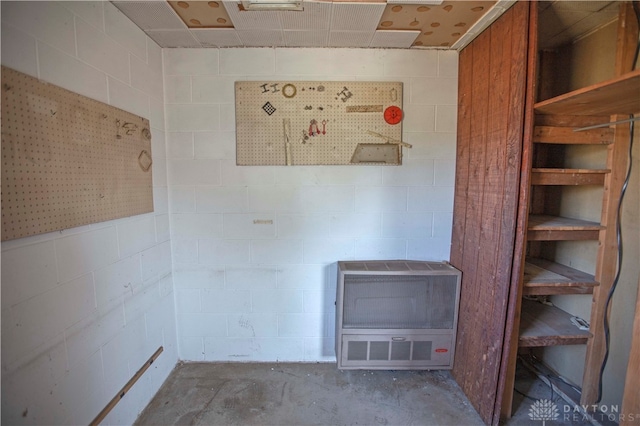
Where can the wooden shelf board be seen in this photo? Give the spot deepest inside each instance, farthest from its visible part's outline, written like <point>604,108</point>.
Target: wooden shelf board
<point>543,325</point>
<point>543,277</point>
<point>555,228</point>
<point>557,223</point>
<point>566,135</point>
<point>567,176</point>
<point>556,290</point>
<point>616,96</point>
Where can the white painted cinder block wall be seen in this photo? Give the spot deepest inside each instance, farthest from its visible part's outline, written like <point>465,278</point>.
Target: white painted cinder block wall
<point>265,292</point>
<point>84,308</point>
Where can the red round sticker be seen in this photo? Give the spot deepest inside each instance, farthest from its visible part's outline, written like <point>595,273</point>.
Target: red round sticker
<point>393,115</point>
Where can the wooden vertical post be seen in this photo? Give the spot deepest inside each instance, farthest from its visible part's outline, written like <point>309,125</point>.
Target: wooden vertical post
<point>631,397</point>
<point>606,264</point>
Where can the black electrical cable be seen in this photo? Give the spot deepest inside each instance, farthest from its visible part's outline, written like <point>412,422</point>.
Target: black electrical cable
<point>549,377</point>
<point>524,394</point>
<point>619,266</point>
<point>636,8</point>
<point>566,382</point>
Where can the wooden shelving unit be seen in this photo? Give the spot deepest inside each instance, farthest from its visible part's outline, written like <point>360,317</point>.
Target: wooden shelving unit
<point>556,120</point>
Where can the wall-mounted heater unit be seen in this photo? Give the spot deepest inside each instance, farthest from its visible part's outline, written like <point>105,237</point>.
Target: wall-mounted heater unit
<point>396,315</point>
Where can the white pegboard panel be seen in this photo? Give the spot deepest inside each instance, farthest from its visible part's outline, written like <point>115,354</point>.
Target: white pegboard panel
<point>68,160</point>
<point>314,122</point>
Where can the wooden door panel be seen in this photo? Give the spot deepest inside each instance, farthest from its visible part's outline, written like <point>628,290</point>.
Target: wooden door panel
<point>491,97</point>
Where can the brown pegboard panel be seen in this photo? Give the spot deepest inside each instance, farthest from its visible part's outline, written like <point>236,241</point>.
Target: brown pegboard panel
<point>314,122</point>
<point>68,160</point>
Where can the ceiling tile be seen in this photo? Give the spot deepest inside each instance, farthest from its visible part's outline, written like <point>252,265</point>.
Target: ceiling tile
<point>350,38</point>
<point>261,38</point>
<point>151,15</point>
<point>173,38</point>
<point>483,23</point>
<point>202,14</point>
<point>305,38</point>
<point>217,37</point>
<point>392,38</point>
<point>356,16</point>
<point>441,25</point>
<point>252,20</point>
<point>315,16</point>
<point>449,25</point>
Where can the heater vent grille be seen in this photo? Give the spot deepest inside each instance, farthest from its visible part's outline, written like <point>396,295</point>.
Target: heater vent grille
<point>379,350</point>
<point>386,351</point>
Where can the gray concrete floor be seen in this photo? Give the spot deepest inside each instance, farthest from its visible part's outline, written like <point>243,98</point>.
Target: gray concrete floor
<point>529,389</point>
<point>320,394</point>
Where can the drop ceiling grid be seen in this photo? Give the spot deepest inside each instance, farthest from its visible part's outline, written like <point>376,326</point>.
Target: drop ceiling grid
<point>564,21</point>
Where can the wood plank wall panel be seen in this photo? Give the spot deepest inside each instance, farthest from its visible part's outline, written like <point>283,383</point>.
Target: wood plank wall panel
<point>470,257</point>
<point>506,380</point>
<point>492,83</point>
